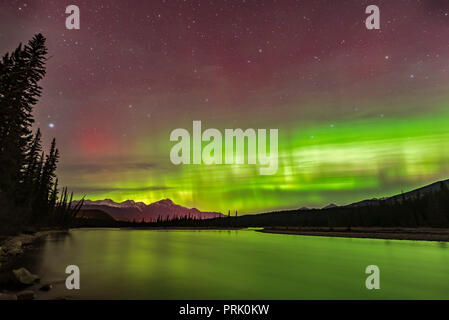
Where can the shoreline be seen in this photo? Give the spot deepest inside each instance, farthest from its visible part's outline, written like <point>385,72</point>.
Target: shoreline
<point>14,246</point>
<point>183,228</point>
<point>419,234</point>
<point>16,284</point>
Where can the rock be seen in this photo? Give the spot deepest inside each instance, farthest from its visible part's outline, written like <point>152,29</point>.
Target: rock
<point>46,287</point>
<point>23,276</point>
<point>26,295</point>
<point>15,252</point>
<point>5,296</point>
<point>13,247</point>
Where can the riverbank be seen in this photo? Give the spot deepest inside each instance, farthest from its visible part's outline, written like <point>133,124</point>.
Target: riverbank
<point>184,228</point>
<point>418,234</point>
<point>12,246</point>
<point>14,283</point>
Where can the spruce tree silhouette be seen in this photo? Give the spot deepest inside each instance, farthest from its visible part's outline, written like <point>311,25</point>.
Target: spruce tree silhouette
<point>28,183</point>
<point>20,73</point>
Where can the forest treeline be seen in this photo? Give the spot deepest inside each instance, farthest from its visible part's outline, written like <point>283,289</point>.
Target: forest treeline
<point>414,210</point>
<point>29,194</point>
<point>430,209</point>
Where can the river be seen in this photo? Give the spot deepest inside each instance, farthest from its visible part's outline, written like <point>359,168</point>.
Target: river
<point>236,264</point>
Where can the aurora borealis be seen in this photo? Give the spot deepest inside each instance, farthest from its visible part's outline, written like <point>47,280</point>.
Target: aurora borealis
<point>361,113</point>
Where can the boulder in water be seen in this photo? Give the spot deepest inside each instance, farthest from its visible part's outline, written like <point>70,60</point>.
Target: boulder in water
<point>46,287</point>
<point>25,277</point>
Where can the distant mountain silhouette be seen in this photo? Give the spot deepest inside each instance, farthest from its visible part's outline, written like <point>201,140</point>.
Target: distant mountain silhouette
<point>416,193</point>
<point>426,207</point>
<point>138,211</point>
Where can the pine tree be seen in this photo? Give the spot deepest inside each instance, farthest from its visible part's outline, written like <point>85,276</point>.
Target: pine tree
<point>43,203</point>
<point>20,73</point>
<point>28,183</point>
<point>32,158</point>
<point>31,171</point>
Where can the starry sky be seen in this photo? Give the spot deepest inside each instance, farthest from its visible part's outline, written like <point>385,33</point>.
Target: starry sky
<point>361,113</point>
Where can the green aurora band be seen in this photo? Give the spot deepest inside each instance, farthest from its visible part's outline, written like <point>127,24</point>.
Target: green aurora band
<point>347,161</point>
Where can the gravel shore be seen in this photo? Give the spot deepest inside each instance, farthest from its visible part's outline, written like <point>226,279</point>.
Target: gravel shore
<point>418,234</point>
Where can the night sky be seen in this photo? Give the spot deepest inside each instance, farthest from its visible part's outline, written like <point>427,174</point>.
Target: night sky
<point>361,113</point>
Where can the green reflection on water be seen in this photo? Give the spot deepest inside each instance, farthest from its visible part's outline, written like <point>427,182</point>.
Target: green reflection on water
<point>245,264</point>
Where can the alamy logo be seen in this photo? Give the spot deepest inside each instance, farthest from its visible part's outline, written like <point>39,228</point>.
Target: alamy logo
<point>73,280</point>
<point>373,20</point>
<point>373,281</point>
<point>212,153</point>
<point>72,22</point>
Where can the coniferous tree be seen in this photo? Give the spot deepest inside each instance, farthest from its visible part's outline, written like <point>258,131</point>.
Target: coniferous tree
<point>32,159</point>
<point>28,183</point>
<point>20,73</point>
<point>42,207</point>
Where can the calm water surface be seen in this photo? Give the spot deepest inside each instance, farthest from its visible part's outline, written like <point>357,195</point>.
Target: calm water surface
<point>244,264</point>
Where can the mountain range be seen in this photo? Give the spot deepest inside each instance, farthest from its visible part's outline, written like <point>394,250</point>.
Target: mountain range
<point>413,194</point>
<point>138,211</point>
<point>416,193</point>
